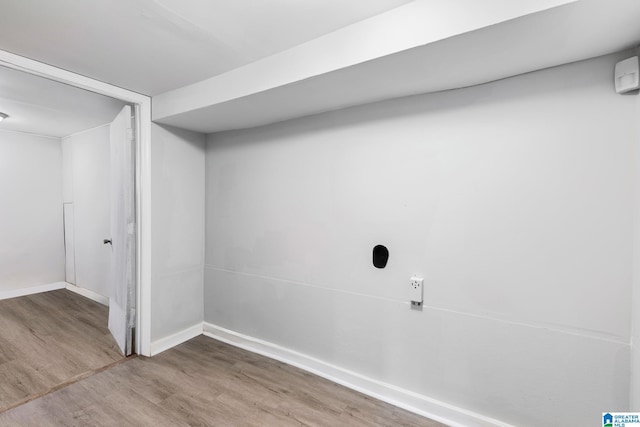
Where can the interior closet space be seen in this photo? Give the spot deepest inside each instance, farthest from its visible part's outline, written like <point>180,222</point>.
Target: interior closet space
<point>57,278</point>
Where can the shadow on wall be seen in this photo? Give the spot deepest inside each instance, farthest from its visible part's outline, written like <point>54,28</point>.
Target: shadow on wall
<point>565,79</point>
<point>177,199</point>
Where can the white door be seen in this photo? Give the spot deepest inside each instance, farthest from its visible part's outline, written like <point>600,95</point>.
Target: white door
<point>121,300</point>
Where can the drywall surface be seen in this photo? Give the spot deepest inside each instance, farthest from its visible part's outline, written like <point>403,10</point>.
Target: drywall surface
<point>177,257</point>
<point>635,300</point>
<point>86,189</point>
<point>408,26</point>
<point>635,361</point>
<point>31,244</point>
<point>514,200</point>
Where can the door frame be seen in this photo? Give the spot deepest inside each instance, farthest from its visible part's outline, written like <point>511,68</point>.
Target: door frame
<point>142,108</point>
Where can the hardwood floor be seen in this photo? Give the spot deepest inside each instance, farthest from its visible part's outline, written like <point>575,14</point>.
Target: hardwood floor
<point>48,339</point>
<point>204,382</point>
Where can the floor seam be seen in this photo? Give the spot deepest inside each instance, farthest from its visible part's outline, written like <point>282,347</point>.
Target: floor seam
<point>75,379</point>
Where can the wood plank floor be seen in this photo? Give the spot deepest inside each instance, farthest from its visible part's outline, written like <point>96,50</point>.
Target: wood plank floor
<point>47,339</point>
<point>204,382</point>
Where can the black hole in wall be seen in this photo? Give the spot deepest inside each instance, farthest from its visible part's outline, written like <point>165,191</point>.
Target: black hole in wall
<point>380,256</point>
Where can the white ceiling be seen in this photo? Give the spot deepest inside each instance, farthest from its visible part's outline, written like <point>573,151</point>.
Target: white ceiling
<point>44,107</point>
<point>197,49</point>
<point>152,46</point>
<point>550,37</point>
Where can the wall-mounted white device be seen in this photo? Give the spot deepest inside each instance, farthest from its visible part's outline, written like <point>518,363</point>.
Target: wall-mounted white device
<point>627,75</point>
<point>415,291</point>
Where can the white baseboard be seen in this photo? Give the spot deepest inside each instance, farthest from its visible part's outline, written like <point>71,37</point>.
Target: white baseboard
<point>88,294</point>
<point>166,343</point>
<point>431,408</point>
<point>14,293</point>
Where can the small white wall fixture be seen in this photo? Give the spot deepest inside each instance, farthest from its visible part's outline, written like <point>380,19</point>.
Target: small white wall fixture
<point>142,107</point>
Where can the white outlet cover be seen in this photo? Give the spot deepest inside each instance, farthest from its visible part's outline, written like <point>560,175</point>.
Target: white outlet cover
<point>415,289</point>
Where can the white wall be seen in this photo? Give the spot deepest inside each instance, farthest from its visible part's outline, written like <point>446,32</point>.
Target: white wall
<point>177,164</point>
<point>635,302</point>
<point>514,200</point>
<point>86,188</point>
<point>31,243</point>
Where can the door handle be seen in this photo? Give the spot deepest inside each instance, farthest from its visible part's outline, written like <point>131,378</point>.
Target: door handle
<point>105,241</point>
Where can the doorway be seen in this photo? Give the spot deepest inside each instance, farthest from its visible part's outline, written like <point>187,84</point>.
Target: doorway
<point>67,180</point>
<point>98,167</point>
<point>141,106</point>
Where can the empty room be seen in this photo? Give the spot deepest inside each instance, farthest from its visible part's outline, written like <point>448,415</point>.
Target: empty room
<point>320,213</point>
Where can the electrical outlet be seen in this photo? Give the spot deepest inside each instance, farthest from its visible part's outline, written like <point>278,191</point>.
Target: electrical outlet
<point>415,291</point>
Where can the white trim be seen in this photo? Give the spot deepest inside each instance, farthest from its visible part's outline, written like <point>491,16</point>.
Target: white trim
<point>423,405</point>
<point>166,343</point>
<point>87,293</point>
<point>14,293</point>
<point>143,176</point>
<point>143,220</point>
<point>41,69</point>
